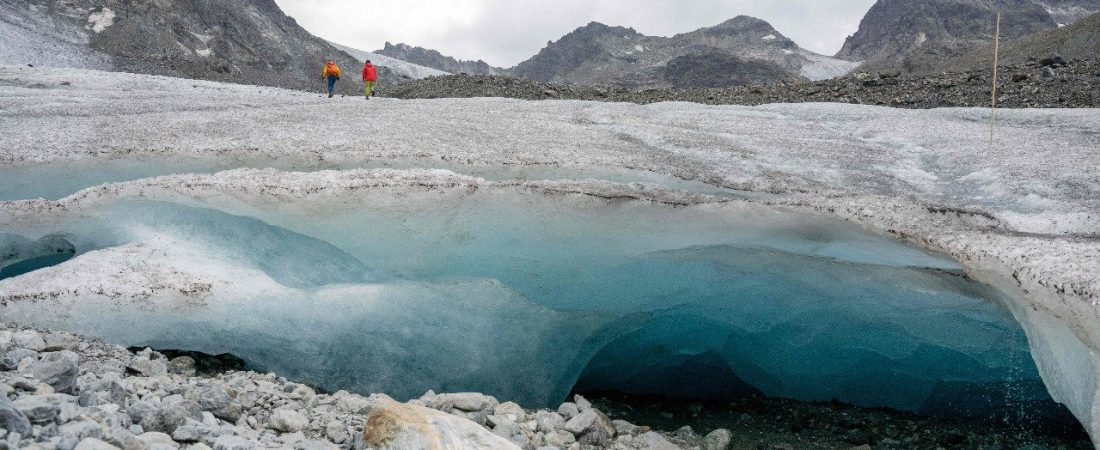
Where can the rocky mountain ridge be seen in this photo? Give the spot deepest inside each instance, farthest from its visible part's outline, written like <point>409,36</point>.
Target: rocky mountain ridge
<point>919,35</point>
<point>743,50</point>
<point>238,41</point>
<point>435,60</point>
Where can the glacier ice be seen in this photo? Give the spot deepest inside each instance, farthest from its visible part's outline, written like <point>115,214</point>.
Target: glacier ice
<point>522,290</point>
<point>1019,214</point>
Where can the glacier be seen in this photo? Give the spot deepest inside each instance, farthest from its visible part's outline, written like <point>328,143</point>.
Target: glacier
<point>525,249</point>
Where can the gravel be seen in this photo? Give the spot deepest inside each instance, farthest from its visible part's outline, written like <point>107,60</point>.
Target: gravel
<point>121,399</point>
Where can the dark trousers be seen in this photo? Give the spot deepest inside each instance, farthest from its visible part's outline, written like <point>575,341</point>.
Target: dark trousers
<point>331,83</point>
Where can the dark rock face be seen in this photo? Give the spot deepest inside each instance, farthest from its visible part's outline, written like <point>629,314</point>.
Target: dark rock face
<point>914,34</point>
<point>239,41</point>
<point>716,69</point>
<point>435,60</point>
<point>752,49</point>
<point>591,44</point>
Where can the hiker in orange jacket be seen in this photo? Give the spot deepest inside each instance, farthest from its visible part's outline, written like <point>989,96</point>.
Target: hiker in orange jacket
<point>370,76</point>
<point>331,73</point>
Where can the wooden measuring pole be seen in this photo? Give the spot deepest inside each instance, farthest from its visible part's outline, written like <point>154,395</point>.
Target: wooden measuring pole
<point>996,62</point>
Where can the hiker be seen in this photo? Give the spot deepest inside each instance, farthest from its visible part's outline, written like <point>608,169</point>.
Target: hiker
<point>370,75</point>
<point>331,73</point>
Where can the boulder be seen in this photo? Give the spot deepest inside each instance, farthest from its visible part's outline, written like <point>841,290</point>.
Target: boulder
<point>43,408</point>
<point>648,441</point>
<point>719,439</point>
<point>80,430</point>
<point>568,410</point>
<point>582,403</point>
<point>173,414</point>
<point>29,339</point>
<point>548,421</point>
<point>12,419</point>
<point>7,340</point>
<point>591,427</point>
<point>215,398</point>
<point>13,357</point>
<point>182,365</point>
<point>148,367</point>
<point>287,421</point>
<point>157,439</point>
<point>397,426</point>
<point>512,410</point>
<point>57,369</point>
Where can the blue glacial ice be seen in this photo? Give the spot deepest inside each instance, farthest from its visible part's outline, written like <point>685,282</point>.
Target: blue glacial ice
<point>520,293</point>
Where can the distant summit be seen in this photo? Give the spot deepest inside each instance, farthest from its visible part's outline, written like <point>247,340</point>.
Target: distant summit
<point>435,60</point>
<point>743,50</point>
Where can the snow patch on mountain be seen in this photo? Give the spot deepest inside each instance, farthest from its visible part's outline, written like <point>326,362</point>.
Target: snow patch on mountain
<point>99,21</point>
<point>402,68</point>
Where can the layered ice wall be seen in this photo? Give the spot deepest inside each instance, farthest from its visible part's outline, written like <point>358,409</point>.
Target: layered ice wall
<point>404,281</point>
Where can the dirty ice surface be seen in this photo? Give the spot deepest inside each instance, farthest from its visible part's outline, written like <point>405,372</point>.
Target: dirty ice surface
<point>560,231</point>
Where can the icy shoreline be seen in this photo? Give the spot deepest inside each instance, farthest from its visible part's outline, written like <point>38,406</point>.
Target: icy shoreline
<point>1021,216</point>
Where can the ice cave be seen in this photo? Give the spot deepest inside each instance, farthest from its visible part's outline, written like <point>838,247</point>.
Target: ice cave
<point>423,280</point>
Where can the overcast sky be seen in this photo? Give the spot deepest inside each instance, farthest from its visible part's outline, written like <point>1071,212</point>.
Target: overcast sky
<point>505,32</point>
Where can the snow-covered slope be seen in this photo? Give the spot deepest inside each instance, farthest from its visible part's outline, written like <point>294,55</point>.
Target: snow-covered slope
<point>1022,214</point>
<point>401,68</point>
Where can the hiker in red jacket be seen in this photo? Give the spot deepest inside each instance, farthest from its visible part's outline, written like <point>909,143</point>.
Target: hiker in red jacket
<point>370,75</point>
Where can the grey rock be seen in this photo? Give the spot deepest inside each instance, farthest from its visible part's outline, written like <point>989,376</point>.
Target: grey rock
<point>1048,72</point>
<point>67,442</point>
<point>148,367</point>
<point>42,408</point>
<point>511,409</point>
<point>685,432</point>
<point>582,403</point>
<point>94,444</point>
<point>29,339</point>
<point>57,369</point>
<point>233,443</point>
<point>14,356</point>
<point>548,421</point>
<point>718,439</point>
<point>81,429</point>
<point>560,439</point>
<point>7,340</point>
<point>175,414</point>
<point>591,427</point>
<point>12,419</point>
<point>568,410</point>
<point>215,398</point>
<point>60,341</point>
<point>182,365</point>
<point>653,441</point>
<point>287,420</point>
<point>145,414</point>
<point>466,401</point>
<point>153,439</point>
<point>624,427</point>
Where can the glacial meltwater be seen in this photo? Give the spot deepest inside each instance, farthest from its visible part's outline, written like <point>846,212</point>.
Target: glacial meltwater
<point>528,293</point>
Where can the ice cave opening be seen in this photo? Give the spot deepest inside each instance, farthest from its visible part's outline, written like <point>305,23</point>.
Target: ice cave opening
<point>530,295</point>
